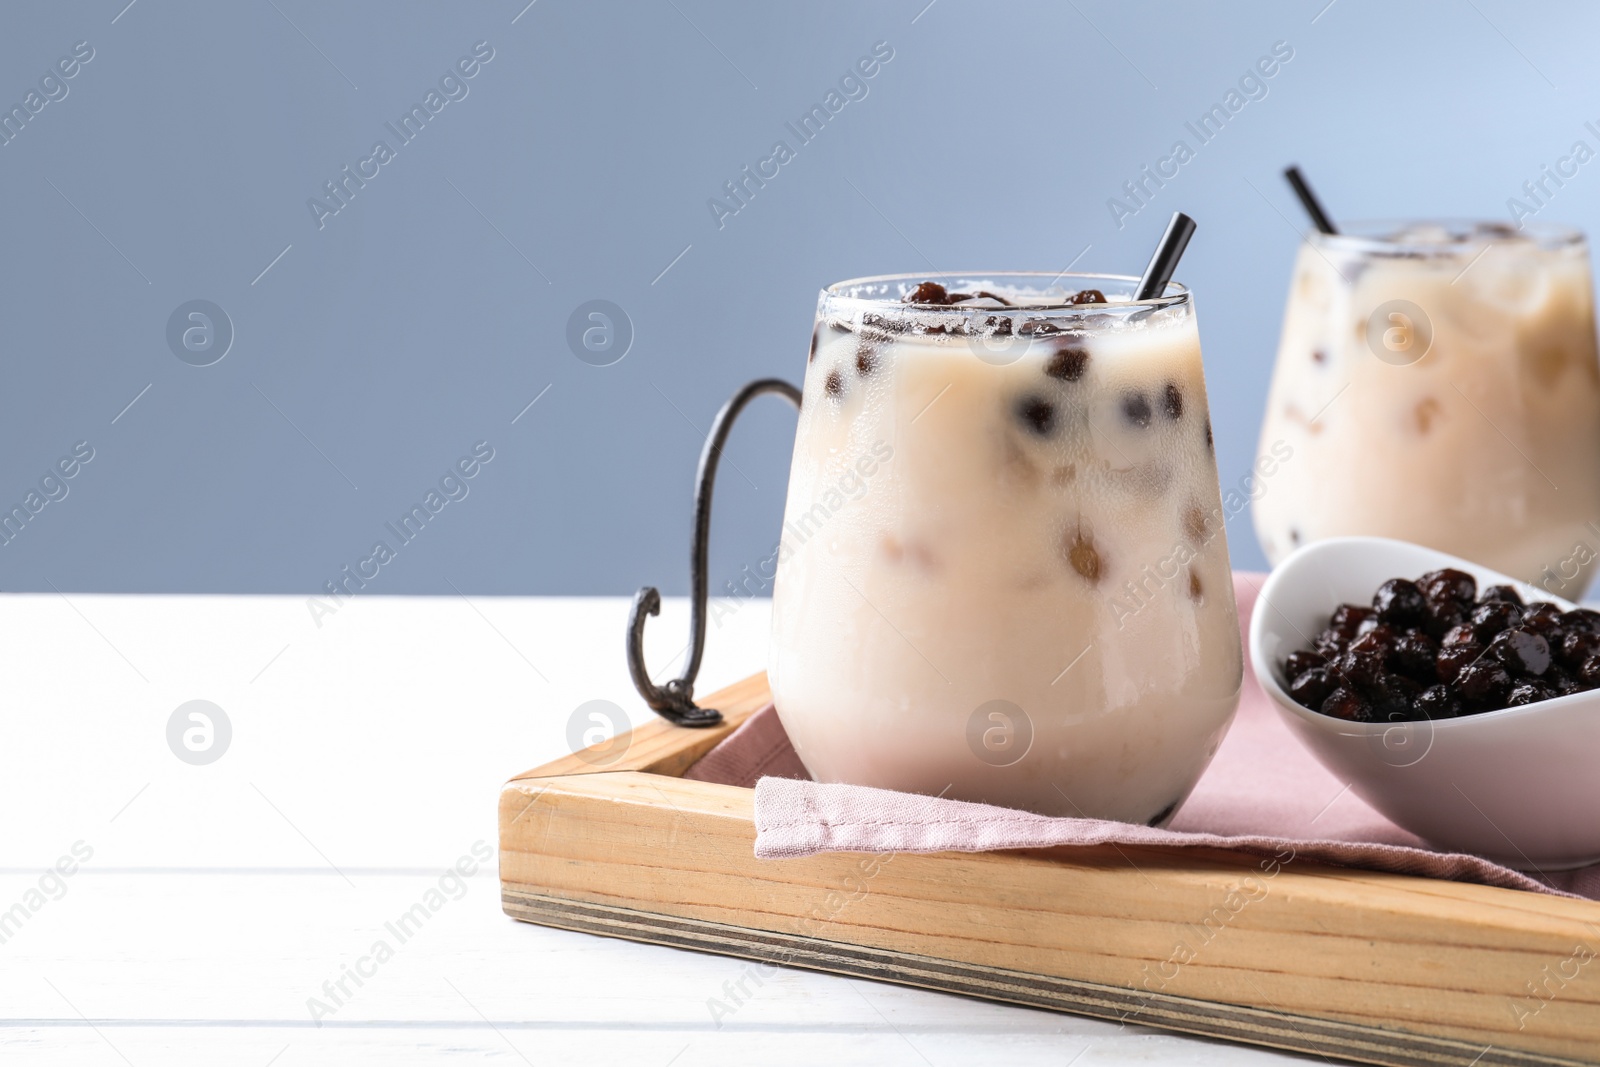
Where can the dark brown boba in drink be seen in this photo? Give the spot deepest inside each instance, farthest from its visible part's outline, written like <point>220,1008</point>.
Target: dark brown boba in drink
<point>1036,414</point>
<point>1083,556</point>
<point>1136,409</point>
<point>1068,362</point>
<point>1172,401</point>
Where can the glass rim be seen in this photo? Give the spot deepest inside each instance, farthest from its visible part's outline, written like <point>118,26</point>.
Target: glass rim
<point>1176,293</point>
<point>1389,236</point>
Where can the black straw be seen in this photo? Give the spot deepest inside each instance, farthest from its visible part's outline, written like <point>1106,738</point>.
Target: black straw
<point>1165,261</point>
<point>1308,200</point>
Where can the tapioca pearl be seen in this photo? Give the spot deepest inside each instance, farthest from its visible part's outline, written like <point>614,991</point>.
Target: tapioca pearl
<point>1300,662</point>
<point>1172,401</point>
<point>1195,524</point>
<point>833,384</point>
<point>1088,296</point>
<point>1566,684</point>
<point>1345,703</point>
<point>1581,619</point>
<point>882,326</point>
<point>1036,414</point>
<point>879,336</point>
<point>1196,589</point>
<point>1400,602</point>
<point>866,357</point>
<point>1084,557</point>
<point>979,294</point>
<point>1541,618</point>
<point>1210,441</point>
<point>1437,702</point>
<point>997,326</point>
<point>1136,409</point>
<point>1577,648</point>
<point>1529,693</point>
<point>816,339</point>
<point>1443,612</point>
<point>1485,683</point>
<point>1521,652</point>
<point>1547,358</point>
<point>1349,618</point>
<point>1318,356</point>
<point>1506,593</point>
<point>1311,687</point>
<point>1425,413</point>
<point>1068,362</point>
<point>927,293</point>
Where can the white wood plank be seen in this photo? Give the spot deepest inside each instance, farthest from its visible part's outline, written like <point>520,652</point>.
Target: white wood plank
<point>424,698</point>
<point>207,968</point>
<point>867,1045</point>
<point>218,899</point>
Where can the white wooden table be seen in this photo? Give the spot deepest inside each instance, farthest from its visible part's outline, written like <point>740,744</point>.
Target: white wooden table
<point>365,760</point>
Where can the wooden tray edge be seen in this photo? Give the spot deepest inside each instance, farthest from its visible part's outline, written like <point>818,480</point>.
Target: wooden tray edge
<point>658,747</point>
<point>1231,1022</point>
<point>665,752</point>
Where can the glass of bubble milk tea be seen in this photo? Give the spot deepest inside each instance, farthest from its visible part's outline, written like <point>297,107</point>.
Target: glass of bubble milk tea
<point>1003,575</point>
<point>1437,382</point>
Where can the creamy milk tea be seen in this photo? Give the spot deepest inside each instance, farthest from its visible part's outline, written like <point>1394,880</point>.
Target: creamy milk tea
<point>1003,574</point>
<point>1438,383</point>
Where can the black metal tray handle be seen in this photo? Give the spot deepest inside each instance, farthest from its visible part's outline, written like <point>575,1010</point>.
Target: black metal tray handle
<point>674,701</point>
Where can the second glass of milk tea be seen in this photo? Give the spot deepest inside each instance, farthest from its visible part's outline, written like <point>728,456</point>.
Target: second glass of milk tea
<point>1003,575</point>
<point>1437,382</point>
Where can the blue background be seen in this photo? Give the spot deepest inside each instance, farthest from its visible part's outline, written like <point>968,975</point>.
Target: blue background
<point>427,313</point>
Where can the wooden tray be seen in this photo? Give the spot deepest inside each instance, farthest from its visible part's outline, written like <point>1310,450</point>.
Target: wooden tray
<point>1355,965</point>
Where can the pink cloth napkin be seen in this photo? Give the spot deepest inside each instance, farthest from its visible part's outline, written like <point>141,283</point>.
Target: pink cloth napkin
<point>1264,794</point>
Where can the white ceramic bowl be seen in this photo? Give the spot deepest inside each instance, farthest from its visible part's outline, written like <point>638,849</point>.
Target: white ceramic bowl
<point>1519,786</point>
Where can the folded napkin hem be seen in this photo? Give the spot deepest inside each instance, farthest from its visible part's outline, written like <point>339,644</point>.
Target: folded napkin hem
<point>802,818</point>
